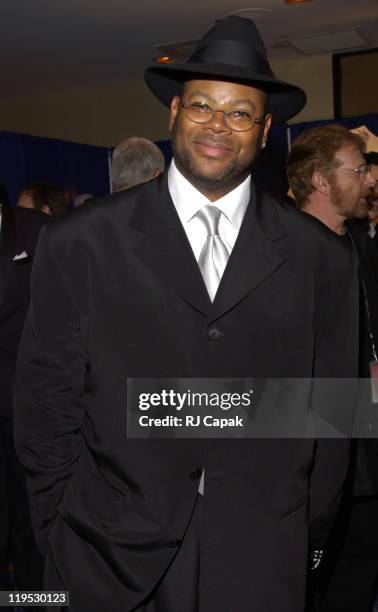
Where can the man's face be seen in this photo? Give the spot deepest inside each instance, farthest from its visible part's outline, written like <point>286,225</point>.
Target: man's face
<point>25,200</point>
<point>213,157</point>
<point>349,190</point>
<point>373,195</point>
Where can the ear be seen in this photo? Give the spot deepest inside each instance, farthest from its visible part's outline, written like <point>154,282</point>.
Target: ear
<point>175,105</point>
<point>267,124</point>
<point>46,209</point>
<point>320,183</point>
<point>156,173</point>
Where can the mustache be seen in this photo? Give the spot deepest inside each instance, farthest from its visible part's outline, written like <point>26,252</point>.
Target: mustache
<point>214,140</point>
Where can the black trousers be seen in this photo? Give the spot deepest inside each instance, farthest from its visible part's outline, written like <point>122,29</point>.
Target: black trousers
<point>351,574</point>
<point>16,540</point>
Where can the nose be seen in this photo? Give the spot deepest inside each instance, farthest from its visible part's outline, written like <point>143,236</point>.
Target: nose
<point>218,122</point>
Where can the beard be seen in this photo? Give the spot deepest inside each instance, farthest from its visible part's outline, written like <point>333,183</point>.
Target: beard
<point>347,204</point>
<point>218,181</point>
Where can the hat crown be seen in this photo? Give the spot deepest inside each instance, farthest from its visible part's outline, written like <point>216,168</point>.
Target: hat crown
<point>237,29</point>
<point>233,42</point>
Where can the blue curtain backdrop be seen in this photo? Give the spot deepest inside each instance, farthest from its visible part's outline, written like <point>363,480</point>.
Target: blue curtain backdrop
<point>79,168</point>
<point>76,168</point>
<point>269,170</point>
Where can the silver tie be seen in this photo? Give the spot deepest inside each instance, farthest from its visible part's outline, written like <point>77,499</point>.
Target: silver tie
<point>214,255</point>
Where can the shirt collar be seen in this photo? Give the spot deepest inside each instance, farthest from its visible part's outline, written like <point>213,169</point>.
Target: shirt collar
<point>188,200</point>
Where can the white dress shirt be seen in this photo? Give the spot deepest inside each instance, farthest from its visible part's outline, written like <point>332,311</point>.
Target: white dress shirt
<point>188,200</point>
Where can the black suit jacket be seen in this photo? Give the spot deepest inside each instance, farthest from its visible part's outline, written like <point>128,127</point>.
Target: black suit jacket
<point>375,240</point>
<point>365,465</point>
<point>117,293</point>
<point>19,234</point>
<point>7,235</point>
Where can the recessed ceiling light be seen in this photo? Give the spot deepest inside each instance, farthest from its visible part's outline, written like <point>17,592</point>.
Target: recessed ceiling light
<point>163,59</point>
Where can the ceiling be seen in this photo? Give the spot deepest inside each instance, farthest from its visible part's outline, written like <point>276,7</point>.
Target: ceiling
<point>59,43</point>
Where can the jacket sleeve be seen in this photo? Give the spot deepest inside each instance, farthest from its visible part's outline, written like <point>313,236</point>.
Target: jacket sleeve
<point>48,390</point>
<point>334,387</point>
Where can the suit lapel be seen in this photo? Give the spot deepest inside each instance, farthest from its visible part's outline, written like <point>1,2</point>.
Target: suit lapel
<point>166,250</point>
<point>254,257</point>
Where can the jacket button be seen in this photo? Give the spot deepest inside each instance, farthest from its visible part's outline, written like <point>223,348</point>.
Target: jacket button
<point>196,473</point>
<point>214,333</point>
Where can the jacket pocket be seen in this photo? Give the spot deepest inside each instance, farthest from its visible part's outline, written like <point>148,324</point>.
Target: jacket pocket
<point>294,507</point>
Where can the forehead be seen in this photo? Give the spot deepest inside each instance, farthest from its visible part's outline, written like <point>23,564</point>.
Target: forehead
<point>350,155</point>
<point>224,92</point>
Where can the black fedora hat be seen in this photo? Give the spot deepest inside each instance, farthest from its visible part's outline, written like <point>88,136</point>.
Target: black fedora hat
<point>232,49</point>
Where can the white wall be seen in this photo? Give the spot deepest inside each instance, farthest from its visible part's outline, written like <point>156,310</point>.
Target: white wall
<point>105,113</point>
<point>314,75</point>
<point>101,114</point>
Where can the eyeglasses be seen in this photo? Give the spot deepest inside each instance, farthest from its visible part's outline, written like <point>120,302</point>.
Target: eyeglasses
<point>362,171</point>
<point>237,120</point>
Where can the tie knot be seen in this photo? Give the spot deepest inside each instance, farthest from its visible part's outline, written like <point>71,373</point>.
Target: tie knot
<point>210,216</point>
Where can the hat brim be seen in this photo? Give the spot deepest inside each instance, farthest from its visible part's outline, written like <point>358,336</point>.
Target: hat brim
<point>166,81</point>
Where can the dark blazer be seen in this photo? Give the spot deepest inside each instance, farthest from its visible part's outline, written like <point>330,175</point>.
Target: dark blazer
<point>375,241</point>
<point>7,236</point>
<point>117,293</point>
<point>365,466</point>
<point>19,234</point>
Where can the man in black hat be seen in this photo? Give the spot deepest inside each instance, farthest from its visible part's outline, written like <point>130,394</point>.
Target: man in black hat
<point>193,275</point>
